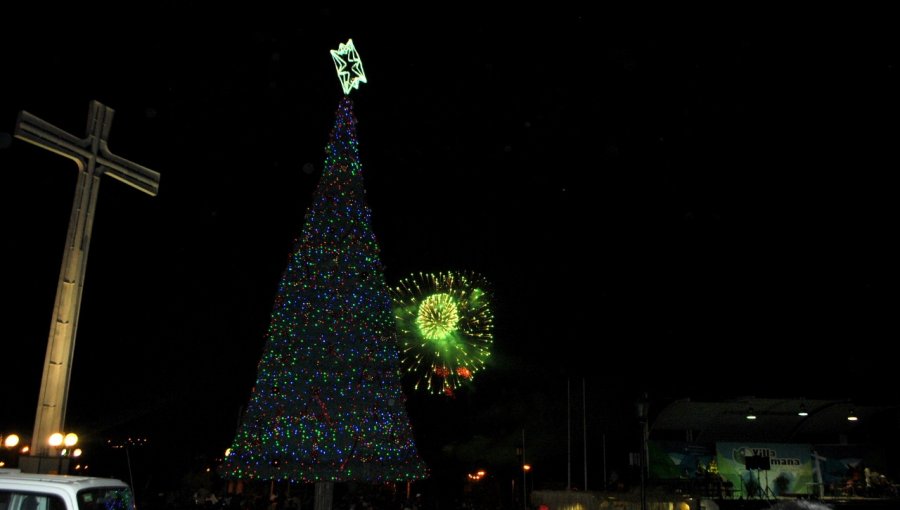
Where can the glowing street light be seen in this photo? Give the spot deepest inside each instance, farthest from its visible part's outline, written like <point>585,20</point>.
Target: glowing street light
<point>8,442</point>
<point>56,439</point>
<point>11,441</point>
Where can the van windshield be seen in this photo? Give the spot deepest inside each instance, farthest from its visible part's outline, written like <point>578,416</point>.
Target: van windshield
<point>105,498</point>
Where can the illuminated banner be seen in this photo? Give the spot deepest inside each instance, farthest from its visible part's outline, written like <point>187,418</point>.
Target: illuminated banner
<point>679,459</point>
<point>766,469</point>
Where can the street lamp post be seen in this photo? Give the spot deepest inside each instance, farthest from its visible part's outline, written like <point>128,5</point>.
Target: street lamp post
<point>525,469</point>
<point>642,405</point>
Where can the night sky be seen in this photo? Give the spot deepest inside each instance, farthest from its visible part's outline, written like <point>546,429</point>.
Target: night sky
<point>686,211</point>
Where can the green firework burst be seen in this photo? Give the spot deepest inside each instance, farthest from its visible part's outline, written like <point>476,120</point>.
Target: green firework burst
<point>445,327</point>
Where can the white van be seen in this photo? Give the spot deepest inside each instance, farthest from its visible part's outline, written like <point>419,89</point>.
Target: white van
<point>26,491</point>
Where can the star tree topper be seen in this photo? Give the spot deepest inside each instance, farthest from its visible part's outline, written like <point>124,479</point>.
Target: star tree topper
<point>349,66</point>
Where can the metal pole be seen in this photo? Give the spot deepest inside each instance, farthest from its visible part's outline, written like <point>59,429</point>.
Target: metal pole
<point>642,406</point>
<point>584,429</point>
<point>641,464</point>
<point>524,474</point>
<point>605,479</point>
<point>569,435</point>
<point>130,475</point>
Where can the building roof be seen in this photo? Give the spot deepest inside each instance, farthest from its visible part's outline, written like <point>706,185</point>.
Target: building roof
<point>777,420</point>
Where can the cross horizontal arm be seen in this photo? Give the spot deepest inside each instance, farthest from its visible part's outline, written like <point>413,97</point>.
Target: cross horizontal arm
<point>132,174</point>
<point>43,134</point>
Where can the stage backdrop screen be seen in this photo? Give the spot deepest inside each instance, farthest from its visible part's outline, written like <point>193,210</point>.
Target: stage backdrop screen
<point>744,465</point>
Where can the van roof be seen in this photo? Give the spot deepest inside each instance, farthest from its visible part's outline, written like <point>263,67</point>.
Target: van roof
<point>75,482</point>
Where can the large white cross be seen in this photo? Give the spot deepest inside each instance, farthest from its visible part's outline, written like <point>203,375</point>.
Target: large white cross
<point>93,158</point>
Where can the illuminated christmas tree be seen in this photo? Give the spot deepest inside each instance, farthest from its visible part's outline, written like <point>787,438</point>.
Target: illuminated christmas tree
<point>328,404</point>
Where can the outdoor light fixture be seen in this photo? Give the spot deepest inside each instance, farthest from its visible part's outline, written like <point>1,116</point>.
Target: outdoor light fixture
<point>852,416</point>
<point>750,414</point>
<point>70,439</point>
<point>802,411</point>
